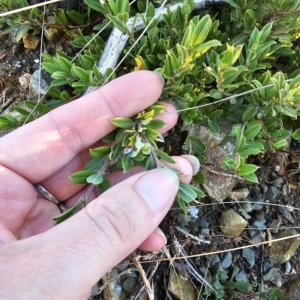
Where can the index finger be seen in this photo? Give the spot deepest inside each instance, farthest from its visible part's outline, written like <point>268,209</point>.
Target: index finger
<point>39,149</point>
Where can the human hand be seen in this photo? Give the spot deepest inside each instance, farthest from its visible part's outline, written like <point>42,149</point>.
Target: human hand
<point>38,260</point>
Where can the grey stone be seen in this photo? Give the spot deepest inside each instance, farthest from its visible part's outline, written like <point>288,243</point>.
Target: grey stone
<point>278,182</point>
<point>246,206</point>
<point>235,271</point>
<point>287,267</point>
<point>214,259</point>
<point>250,255</point>
<point>38,86</point>
<point>239,194</point>
<point>182,219</point>
<point>258,238</point>
<point>129,284</point>
<point>257,204</point>
<point>205,232</point>
<point>272,194</point>
<point>274,226</point>
<point>217,186</point>
<point>270,274</point>
<point>69,4</point>
<point>193,212</point>
<point>227,260</point>
<point>267,266</point>
<point>242,276</point>
<point>244,213</point>
<point>201,222</point>
<point>231,223</point>
<point>260,224</point>
<point>285,213</point>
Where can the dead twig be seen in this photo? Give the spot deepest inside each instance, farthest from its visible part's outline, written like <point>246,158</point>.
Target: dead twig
<point>146,282</point>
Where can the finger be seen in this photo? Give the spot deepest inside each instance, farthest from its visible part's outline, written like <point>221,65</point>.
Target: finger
<point>155,241</point>
<point>63,188</point>
<point>55,139</point>
<point>101,235</point>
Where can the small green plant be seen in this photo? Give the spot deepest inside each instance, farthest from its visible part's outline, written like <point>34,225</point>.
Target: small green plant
<point>134,144</point>
<point>274,294</point>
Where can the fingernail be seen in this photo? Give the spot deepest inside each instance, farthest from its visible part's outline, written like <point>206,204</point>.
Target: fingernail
<point>158,188</point>
<point>160,232</point>
<point>161,77</point>
<point>194,161</point>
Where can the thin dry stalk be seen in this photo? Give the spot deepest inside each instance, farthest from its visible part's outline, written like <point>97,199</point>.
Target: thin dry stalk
<point>8,13</point>
<point>146,282</point>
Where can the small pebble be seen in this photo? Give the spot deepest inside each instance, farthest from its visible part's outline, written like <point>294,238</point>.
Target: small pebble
<point>270,274</point>
<point>277,168</point>
<point>274,226</point>
<point>260,224</point>
<point>285,213</point>
<point>288,267</point>
<point>278,182</point>
<point>241,277</point>
<point>227,260</point>
<point>272,194</point>
<point>193,211</point>
<point>17,64</point>
<point>250,256</point>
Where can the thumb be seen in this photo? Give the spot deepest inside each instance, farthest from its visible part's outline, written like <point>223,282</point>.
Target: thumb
<point>71,257</point>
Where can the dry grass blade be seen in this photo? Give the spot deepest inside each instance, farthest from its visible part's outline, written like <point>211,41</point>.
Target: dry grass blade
<point>27,7</point>
<point>146,282</point>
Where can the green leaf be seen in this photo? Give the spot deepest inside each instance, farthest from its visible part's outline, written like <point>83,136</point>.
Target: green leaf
<point>194,144</point>
<point>126,163</point>
<point>104,185</point>
<point>199,178</point>
<point>75,16</point>
<point>156,124</point>
<point>115,151</point>
<point>22,32</point>
<point>296,134</point>
<point>81,176</point>
<point>100,152</point>
<point>251,178</point>
<point>21,111</point>
<point>247,169</point>
<point>95,179</point>
<point>110,137</point>
<point>249,113</point>
<point>250,151</point>
<point>182,205</point>
<point>125,123</point>
<point>11,118</point>
<point>150,163</point>
<point>279,144</point>
<point>82,74</point>
<point>215,114</point>
<point>95,164</point>
<point>253,129</point>
<point>186,193</point>
<point>201,31</point>
<point>165,156</point>
<point>68,213</point>
<point>199,192</point>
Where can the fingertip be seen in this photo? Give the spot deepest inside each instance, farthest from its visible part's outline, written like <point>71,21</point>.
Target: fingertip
<point>155,241</point>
